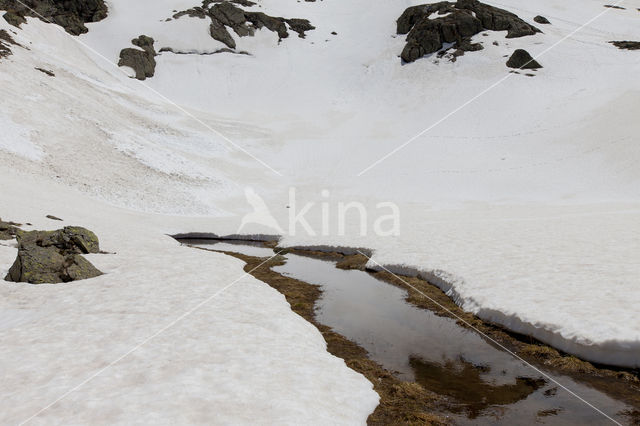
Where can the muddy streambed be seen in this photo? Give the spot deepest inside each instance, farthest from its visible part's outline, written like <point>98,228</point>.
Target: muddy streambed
<point>486,384</point>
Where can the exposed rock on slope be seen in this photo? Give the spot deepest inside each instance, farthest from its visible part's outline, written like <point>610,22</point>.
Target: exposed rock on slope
<point>626,45</point>
<point>454,23</point>
<point>54,256</point>
<point>5,41</point>
<point>522,59</point>
<point>69,14</point>
<point>141,60</point>
<point>226,15</point>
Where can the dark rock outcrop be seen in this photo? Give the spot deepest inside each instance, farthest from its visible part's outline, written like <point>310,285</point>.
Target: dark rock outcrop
<point>5,42</point>
<point>626,45</point>
<point>141,60</point>
<point>226,16</point>
<point>454,23</point>
<point>69,14</point>
<point>54,256</point>
<point>521,59</point>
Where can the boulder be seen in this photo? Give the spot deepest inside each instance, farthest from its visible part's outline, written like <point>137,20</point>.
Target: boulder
<point>429,26</point>
<point>142,61</point>
<point>541,20</point>
<point>54,256</point>
<point>521,59</point>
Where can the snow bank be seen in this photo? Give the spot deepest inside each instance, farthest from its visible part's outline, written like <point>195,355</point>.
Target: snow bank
<point>242,356</point>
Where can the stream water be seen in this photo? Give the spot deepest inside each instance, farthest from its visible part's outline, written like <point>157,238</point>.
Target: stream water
<point>489,385</point>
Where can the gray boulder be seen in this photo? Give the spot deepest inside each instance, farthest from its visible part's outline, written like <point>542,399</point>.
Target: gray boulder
<point>54,256</point>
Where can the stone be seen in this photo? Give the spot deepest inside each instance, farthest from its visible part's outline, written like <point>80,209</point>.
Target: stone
<point>141,60</point>
<point>521,59</point>
<point>541,20</point>
<point>54,256</point>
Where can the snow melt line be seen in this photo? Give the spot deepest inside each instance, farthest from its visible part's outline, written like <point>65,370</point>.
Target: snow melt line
<point>495,342</point>
<point>139,345</point>
<point>485,91</point>
<point>154,91</point>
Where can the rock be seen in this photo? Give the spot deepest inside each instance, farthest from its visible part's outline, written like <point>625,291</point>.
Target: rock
<point>497,19</point>
<point>522,59</point>
<point>49,216</point>
<point>50,74</point>
<point>5,41</point>
<point>541,20</point>
<point>69,14</point>
<point>626,45</point>
<point>300,26</point>
<point>54,256</point>
<point>37,265</point>
<point>457,24</point>
<point>81,239</point>
<point>277,25</point>
<point>219,32</point>
<point>227,15</point>
<point>142,61</point>
<point>80,269</point>
<point>8,230</point>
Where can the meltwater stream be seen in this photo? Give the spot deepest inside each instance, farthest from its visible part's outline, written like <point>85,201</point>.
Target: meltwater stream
<point>489,385</point>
